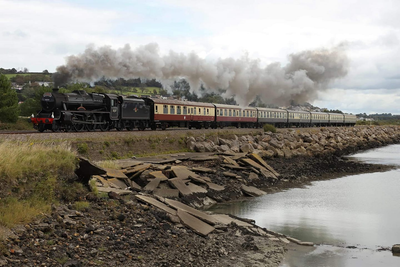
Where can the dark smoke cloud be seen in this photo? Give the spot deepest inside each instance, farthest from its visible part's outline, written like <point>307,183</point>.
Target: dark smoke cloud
<point>305,74</point>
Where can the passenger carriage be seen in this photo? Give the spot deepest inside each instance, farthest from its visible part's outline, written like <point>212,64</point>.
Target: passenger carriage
<point>170,113</point>
<point>336,119</point>
<point>230,115</point>
<point>298,118</point>
<point>319,119</point>
<point>274,116</point>
<point>350,120</point>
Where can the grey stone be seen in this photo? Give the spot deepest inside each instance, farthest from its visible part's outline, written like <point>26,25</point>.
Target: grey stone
<point>197,213</point>
<point>195,224</point>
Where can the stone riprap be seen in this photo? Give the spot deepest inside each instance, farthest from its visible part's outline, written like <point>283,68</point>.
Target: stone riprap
<point>291,142</point>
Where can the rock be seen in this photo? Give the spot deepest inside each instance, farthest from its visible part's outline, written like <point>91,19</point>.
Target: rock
<point>246,148</point>
<point>199,147</point>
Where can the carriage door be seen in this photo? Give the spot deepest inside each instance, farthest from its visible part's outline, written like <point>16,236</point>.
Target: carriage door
<point>114,109</point>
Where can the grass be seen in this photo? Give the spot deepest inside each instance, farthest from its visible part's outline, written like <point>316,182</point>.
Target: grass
<point>21,125</point>
<point>31,178</point>
<point>269,128</point>
<point>81,205</point>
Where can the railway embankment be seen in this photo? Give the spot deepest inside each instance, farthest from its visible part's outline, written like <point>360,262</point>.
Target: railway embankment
<point>147,211</point>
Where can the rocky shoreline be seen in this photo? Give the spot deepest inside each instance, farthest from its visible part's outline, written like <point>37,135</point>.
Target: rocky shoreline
<point>124,228</point>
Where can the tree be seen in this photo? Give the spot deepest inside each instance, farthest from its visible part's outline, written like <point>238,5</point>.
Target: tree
<point>8,101</point>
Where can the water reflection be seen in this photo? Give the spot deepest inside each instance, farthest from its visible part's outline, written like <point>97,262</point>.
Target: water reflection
<point>359,210</point>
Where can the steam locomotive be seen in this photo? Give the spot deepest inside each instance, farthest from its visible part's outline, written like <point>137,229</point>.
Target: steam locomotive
<point>82,111</point>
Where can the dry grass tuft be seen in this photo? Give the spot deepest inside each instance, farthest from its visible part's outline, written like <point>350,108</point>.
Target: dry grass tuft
<point>30,175</point>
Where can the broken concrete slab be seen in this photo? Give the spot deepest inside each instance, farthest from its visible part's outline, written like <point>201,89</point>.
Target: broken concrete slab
<point>134,186</point>
<point>215,187</point>
<point>159,174</point>
<point>259,167</point>
<point>258,159</point>
<point>226,219</point>
<point>230,161</point>
<point>252,191</point>
<point>184,190</point>
<point>233,167</point>
<point>204,158</point>
<point>182,172</point>
<point>156,203</point>
<point>199,179</point>
<point>138,168</point>
<point>195,224</point>
<point>116,174</point>
<point>166,192</point>
<point>102,180</point>
<point>203,169</point>
<point>120,192</point>
<point>199,214</point>
<point>153,184</point>
<point>117,183</point>
<point>87,169</point>
<point>197,189</point>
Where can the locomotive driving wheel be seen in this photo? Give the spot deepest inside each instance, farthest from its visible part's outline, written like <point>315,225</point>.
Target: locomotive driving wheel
<point>104,124</point>
<point>78,127</point>
<point>91,118</point>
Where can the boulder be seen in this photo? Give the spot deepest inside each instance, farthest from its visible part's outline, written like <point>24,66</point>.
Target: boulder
<point>246,148</point>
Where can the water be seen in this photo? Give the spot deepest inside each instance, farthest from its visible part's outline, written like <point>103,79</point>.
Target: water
<point>359,210</point>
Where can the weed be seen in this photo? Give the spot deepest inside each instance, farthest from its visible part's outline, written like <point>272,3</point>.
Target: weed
<point>82,148</point>
<point>114,155</point>
<point>106,143</point>
<point>269,128</point>
<point>81,205</point>
<point>93,187</point>
<point>50,242</point>
<point>101,152</point>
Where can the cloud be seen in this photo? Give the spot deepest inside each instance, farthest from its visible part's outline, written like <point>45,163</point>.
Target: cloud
<point>360,101</point>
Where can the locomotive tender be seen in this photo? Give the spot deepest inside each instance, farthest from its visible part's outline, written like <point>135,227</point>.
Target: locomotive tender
<point>82,111</point>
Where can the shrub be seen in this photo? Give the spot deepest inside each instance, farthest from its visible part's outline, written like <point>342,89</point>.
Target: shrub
<point>81,205</point>
<point>83,148</point>
<point>269,128</point>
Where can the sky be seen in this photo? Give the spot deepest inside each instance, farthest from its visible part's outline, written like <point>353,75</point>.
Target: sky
<point>40,34</point>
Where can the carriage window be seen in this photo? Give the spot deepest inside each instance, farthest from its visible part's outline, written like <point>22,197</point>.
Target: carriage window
<point>184,110</point>
<point>178,110</point>
<point>230,112</point>
<point>156,108</point>
<point>191,110</point>
<point>208,111</point>
<point>199,111</point>
<point>224,112</point>
<point>171,110</point>
<point>237,113</point>
<point>247,113</point>
<point>217,112</point>
<point>165,109</point>
<point>194,110</point>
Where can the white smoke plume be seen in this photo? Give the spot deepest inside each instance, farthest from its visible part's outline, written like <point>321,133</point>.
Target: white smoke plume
<point>305,74</point>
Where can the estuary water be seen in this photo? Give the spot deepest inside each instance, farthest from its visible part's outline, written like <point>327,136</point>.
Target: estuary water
<point>352,218</point>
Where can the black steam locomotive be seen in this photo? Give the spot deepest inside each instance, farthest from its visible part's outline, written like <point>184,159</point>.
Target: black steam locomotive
<point>82,111</point>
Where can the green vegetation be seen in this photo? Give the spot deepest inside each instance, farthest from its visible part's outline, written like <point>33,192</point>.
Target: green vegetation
<point>20,125</point>
<point>81,205</point>
<point>269,128</point>
<point>379,122</point>
<point>32,177</point>
<point>83,148</point>
<point>8,101</point>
